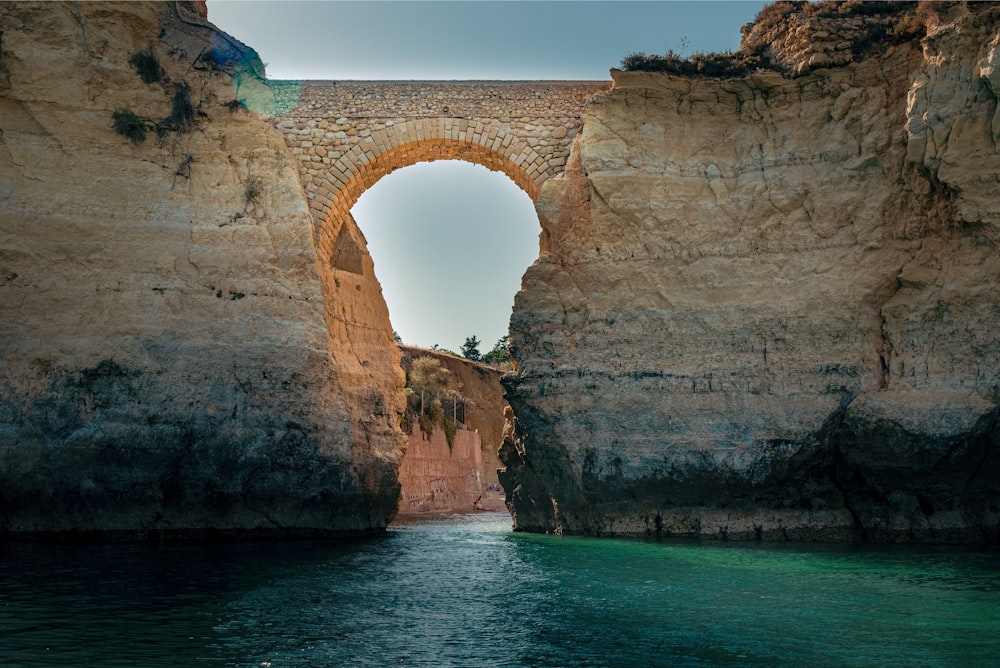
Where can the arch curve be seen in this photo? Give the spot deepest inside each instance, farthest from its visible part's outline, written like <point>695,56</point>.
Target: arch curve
<point>347,135</point>
<point>367,173</point>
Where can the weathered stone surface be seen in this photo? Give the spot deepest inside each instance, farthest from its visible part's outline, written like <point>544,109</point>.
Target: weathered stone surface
<point>768,307</point>
<point>436,477</point>
<point>173,360</point>
<point>484,403</point>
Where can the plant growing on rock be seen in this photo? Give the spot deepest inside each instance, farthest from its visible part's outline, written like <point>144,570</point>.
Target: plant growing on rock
<point>427,383</point>
<point>427,377</point>
<point>433,417</point>
<point>722,65</point>
<point>147,66</point>
<point>252,190</point>
<point>181,116</point>
<point>129,124</point>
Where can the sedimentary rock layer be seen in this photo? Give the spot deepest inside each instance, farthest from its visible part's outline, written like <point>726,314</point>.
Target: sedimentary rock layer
<point>166,358</point>
<point>768,306</point>
<point>483,401</point>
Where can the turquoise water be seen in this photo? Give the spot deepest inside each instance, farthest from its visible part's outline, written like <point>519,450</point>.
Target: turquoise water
<point>465,591</point>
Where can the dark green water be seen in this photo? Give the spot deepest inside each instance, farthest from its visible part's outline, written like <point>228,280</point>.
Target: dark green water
<point>467,592</point>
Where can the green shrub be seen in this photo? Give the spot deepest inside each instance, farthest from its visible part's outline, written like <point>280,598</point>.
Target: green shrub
<point>181,116</point>
<point>721,65</point>
<point>252,190</point>
<point>129,124</point>
<point>147,66</point>
<point>450,429</point>
<point>772,15</point>
<point>857,8</point>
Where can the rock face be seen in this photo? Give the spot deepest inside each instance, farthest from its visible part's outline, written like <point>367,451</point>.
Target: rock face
<point>768,307</point>
<point>166,359</point>
<point>484,402</point>
<point>436,477</point>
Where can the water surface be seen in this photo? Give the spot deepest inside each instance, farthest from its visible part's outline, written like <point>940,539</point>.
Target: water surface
<point>465,591</point>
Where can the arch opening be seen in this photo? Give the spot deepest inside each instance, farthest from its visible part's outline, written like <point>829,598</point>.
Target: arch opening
<point>356,308</point>
<point>449,241</point>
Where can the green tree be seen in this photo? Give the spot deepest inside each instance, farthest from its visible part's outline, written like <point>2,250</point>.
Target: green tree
<point>470,349</point>
<point>500,355</point>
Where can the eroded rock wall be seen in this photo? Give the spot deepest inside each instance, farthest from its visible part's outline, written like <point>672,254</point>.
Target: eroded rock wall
<point>767,307</point>
<point>166,362</point>
<point>483,402</point>
<point>438,477</point>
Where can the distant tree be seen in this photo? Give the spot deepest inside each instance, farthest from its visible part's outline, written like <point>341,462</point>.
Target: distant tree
<point>470,349</point>
<point>500,355</point>
<point>396,337</point>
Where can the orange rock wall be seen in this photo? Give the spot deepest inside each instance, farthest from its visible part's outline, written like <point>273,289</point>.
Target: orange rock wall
<point>437,478</point>
<point>484,404</point>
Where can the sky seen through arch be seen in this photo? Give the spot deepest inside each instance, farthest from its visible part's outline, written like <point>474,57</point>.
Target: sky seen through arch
<point>450,241</point>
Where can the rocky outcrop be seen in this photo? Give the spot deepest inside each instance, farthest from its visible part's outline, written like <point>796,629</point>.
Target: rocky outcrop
<point>168,365</point>
<point>483,402</point>
<point>767,306</point>
<point>436,476</point>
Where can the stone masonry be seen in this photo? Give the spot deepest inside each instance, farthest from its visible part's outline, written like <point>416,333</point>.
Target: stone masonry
<point>348,135</point>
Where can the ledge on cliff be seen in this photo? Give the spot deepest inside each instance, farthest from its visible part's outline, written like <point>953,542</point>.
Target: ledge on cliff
<point>793,38</point>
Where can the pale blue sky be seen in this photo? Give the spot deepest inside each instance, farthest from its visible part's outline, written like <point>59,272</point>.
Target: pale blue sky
<point>417,218</point>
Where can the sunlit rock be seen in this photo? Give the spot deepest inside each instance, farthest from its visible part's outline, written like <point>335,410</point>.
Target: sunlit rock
<point>767,305</point>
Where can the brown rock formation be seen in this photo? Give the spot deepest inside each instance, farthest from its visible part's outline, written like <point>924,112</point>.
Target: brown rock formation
<point>438,477</point>
<point>166,359</point>
<point>484,402</point>
<point>768,306</point>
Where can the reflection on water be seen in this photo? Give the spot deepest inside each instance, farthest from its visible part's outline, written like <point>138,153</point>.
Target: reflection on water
<point>465,591</point>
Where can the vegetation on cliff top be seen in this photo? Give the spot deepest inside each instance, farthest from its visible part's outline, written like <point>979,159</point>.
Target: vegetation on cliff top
<point>498,357</point>
<point>723,65</point>
<point>891,23</point>
<point>429,390</point>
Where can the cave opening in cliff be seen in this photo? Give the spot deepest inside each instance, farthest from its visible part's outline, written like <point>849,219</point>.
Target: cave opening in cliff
<point>450,241</point>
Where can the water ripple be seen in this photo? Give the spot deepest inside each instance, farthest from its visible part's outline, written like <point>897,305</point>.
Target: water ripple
<point>465,591</point>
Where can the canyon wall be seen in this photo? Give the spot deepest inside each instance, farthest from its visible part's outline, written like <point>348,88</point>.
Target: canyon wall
<point>167,366</point>
<point>438,477</point>
<point>483,401</point>
<point>767,306</point>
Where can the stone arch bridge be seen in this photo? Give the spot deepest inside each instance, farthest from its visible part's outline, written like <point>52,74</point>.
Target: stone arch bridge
<point>348,135</point>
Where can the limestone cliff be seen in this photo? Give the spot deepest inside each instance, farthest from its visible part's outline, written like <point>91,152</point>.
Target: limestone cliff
<point>436,476</point>
<point>166,359</point>
<point>767,306</point>
<point>484,403</point>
